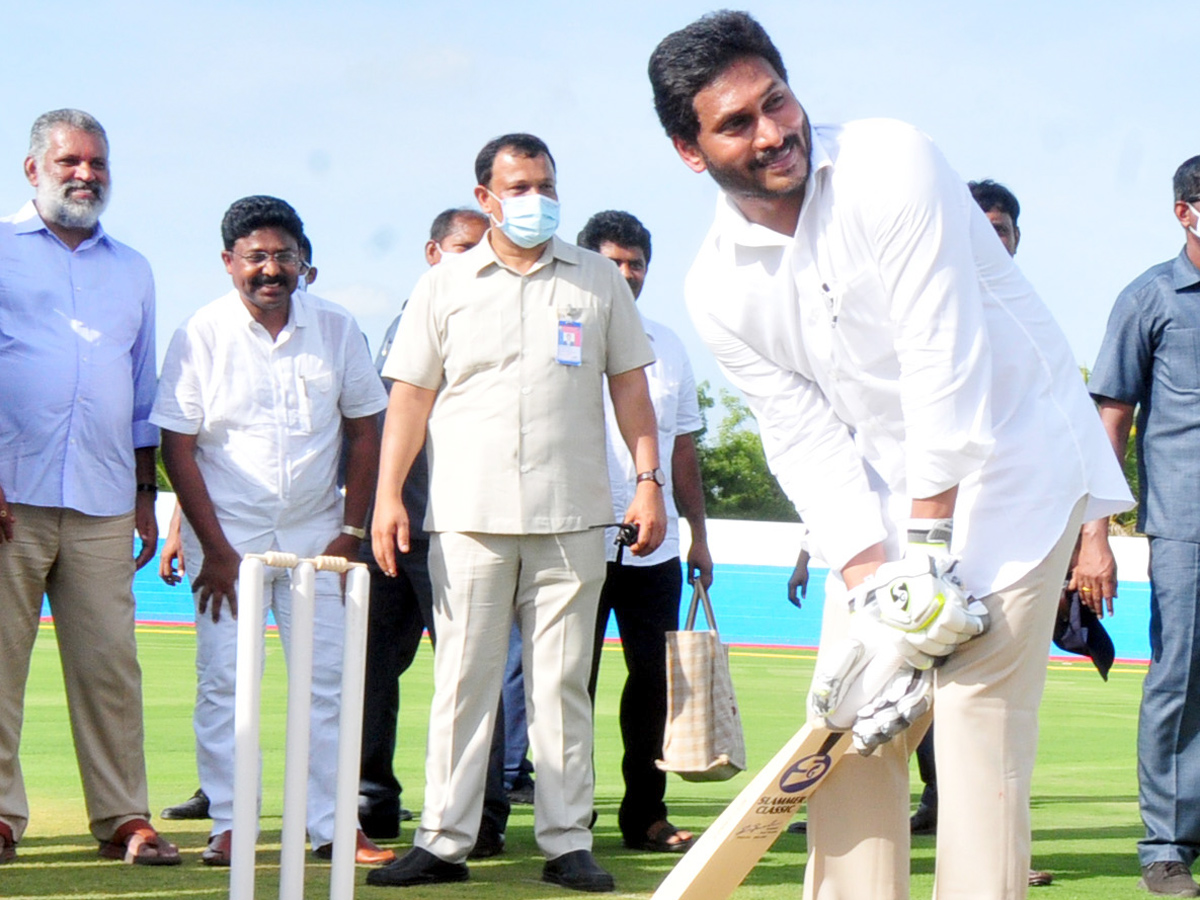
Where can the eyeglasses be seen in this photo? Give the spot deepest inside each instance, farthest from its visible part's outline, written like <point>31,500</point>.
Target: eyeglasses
<point>288,259</point>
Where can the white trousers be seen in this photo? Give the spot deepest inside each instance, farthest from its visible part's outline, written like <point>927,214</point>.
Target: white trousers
<point>551,584</point>
<point>216,665</point>
<point>986,699</point>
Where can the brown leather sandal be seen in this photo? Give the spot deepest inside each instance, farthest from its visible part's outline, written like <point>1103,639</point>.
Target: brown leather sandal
<point>136,843</point>
<point>8,846</point>
<point>658,839</point>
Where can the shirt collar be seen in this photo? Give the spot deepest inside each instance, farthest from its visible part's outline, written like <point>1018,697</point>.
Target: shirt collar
<point>1184,273</point>
<point>299,310</point>
<point>481,256</point>
<point>29,221</point>
<point>732,224</point>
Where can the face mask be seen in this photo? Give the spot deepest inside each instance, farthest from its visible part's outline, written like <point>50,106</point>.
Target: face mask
<point>529,220</point>
<point>1195,229</point>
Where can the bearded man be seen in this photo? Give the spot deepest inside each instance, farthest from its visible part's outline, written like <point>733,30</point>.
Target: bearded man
<point>76,478</point>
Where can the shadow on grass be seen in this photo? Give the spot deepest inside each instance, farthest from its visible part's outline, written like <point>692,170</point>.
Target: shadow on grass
<point>1041,800</point>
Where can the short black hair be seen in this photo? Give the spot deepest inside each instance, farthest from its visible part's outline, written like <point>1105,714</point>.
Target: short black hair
<point>616,227</point>
<point>520,143</point>
<point>1187,181</point>
<point>993,195</point>
<point>685,62</point>
<point>252,213</point>
<point>444,223</point>
<point>306,249</point>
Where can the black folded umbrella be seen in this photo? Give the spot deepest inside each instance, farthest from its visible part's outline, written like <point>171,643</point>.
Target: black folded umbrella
<point>1082,632</point>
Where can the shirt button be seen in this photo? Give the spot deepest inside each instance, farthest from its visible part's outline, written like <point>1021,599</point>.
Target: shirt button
<point>526,430</point>
<point>525,469</point>
<point>526,390</point>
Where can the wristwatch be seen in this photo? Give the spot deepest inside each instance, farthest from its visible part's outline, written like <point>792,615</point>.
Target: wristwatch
<point>658,476</point>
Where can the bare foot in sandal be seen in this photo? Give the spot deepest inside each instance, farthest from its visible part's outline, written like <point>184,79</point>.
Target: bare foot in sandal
<point>663,837</point>
<point>137,843</point>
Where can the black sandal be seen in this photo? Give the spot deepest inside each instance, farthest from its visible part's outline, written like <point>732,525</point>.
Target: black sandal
<point>658,839</point>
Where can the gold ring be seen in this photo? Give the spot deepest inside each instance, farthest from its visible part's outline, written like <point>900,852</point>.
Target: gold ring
<point>3,513</point>
<point>1084,590</point>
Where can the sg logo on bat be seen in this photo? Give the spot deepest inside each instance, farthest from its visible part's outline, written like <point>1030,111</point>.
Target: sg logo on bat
<point>805,773</point>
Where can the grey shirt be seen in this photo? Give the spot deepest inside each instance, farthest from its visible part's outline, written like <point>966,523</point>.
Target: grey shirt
<point>1151,357</point>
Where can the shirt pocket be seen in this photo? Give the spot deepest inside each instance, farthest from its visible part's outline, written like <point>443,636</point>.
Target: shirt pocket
<point>1181,352</point>
<point>587,316</point>
<point>318,399</point>
<point>474,341</point>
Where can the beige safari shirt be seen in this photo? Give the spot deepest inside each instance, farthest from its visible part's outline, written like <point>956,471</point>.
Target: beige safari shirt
<point>516,436</point>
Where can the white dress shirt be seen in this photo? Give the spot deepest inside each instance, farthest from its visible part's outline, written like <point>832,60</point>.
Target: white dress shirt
<point>267,414</point>
<point>677,411</point>
<point>892,350</point>
<point>76,367</point>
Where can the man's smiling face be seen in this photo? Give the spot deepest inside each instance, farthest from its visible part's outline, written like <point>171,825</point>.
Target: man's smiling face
<point>72,178</point>
<point>754,136</point>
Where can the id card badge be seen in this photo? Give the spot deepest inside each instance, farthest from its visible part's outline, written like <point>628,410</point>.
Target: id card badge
<point>570,343</point>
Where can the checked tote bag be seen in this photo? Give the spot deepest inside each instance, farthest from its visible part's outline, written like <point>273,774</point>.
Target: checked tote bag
<point>703,738</point>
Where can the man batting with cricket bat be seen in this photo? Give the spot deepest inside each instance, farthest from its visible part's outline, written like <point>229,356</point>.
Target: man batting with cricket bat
<point>923,411</point>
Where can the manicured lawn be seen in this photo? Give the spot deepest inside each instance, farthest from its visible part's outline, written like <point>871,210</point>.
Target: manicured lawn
<point>1084,809</point>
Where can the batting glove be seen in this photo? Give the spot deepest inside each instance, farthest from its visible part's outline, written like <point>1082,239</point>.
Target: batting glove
<point>904,699</point>
<point>923,603</point>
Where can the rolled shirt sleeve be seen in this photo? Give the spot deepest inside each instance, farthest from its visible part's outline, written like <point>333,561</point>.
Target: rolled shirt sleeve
<point>416,354</point>
<point>1122,370</point>
<point>179,401</point>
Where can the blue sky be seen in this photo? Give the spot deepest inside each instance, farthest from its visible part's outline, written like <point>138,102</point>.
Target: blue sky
<point>367,117</point>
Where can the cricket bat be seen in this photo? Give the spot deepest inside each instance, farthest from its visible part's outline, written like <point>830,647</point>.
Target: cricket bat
<point>730,847</point>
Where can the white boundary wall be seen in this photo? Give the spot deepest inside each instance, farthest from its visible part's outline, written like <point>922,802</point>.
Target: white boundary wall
<point>736,542</point>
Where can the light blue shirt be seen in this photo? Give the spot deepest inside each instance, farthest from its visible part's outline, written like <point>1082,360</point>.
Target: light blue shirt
<point>77,373</point>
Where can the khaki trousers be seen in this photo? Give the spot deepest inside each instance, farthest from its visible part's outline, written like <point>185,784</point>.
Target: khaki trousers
<point>85,565</point>
<point>551,584</point>
<point>986,699</point>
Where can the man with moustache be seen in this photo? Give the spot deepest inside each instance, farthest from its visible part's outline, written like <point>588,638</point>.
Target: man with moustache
<point>172,564</point>
<point>258,388</point>
<point>77,477</point>
<point>643,592</point>
<point>906,379</point>
<point>502,353</point>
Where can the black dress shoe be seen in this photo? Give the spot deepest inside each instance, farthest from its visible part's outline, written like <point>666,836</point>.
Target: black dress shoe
<point>924,820</point>
<point>418,866</point>
<point>579,871</point>
<point>489,843</point>
<point>196,807</point>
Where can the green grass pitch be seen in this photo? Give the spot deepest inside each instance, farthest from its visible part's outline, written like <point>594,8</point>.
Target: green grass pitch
<point>1084,805</point>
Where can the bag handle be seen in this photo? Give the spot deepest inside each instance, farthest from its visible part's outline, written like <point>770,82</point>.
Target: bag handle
<point>700,596</point>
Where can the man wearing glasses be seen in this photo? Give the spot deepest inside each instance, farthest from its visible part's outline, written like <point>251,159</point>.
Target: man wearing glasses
<point>1150,360</point>
<point>256,392</point>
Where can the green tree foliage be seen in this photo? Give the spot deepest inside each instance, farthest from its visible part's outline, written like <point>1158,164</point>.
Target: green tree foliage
<point>737,483</point>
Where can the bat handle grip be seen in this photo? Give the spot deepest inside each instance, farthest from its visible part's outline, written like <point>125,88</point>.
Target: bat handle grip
<point>866,687</point>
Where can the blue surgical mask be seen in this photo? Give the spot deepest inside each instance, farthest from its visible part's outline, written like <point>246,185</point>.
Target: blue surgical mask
<point>529,219</point>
